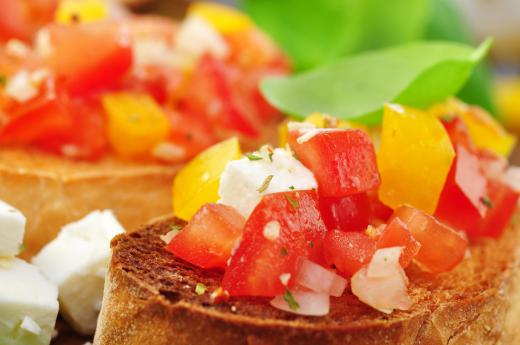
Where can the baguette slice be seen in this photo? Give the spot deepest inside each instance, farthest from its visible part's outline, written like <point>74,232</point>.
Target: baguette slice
<point>52,191</point>
<point>150,299</point>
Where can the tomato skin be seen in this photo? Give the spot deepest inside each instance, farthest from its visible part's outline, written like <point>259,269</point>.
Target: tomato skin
<point>349,213</point>
<point>89,56</point>
<point>504,202</point>
<point>22,18</point>
<point>42,116</point>
<point>442,248</point>
<point>348,251</point>
<point>343,161</point>
<point>379,212</point>
<point>86,138</point>
<point>210,93</point>
<point>460,204</point>
<point>208,239</point>
<point>258,262</point>
<point>396,234</point>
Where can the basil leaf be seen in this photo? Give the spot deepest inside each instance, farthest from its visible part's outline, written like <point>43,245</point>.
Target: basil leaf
<point>357,87</point>
<point>311,32</point>
<point>446,23</point>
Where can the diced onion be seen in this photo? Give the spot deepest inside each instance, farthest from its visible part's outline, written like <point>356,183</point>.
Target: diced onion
<point>318,279</point>
<point>382,284</point>
<point>309,303</point>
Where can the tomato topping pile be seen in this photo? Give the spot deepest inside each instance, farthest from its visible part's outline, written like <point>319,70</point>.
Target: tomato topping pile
<point>70,69</point>
<point>299,245</point>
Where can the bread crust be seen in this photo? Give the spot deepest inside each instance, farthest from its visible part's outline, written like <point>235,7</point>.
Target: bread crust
<point>149,299</point>
<point>52,191</point>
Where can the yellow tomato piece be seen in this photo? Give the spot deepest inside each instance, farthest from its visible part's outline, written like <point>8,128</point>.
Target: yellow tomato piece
<point>414,158</point>
<point>224,18</point>
<point>508,102</point>
<point>70,11</point>
<point>484,130</point>
<point>197,183</point>
<point>136,123</point>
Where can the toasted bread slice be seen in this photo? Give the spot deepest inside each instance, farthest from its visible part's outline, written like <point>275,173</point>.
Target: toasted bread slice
<point>52,191</point>
<point>150,299</point>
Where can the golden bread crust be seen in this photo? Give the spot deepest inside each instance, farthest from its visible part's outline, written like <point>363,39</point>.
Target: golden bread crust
<point>150,299</point>
<point>52,191</point>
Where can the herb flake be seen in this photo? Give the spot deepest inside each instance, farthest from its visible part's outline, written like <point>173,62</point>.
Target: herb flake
<point>283,251</point>
<point>175,227</point>
<point>487,202</point>
<point>265,184</point>
<point>22,248</point>
<point>291,302</point>
<point>200,289</point>
<point>293,202</point>
<point>291,187</point>
<point>253,157</point>
<point>3,80</point>
<point>311,244</point>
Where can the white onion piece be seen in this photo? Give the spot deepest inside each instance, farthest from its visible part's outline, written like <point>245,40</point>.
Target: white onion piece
<point>512,178</point>
<point>319,279</point>
<point>382,284</point>
<point>309,303</point>
<point>383,262</point>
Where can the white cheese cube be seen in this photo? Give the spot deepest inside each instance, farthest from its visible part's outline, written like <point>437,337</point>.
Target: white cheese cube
<point>12,226</point>
<point>244,182</point>
<point>77,261</point>
<point>28,304</point>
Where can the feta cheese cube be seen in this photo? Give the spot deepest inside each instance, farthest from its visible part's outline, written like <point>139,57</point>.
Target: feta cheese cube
<point>77,261</point>
<point>12,227</point>
<point>28,304</point>
<point>244,182</point>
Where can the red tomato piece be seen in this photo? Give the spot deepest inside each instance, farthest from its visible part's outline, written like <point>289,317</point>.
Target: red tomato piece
<point>22,18</point>
<point>349,213</point>
<point>209,237</point>
<point>379,212</point>
<point>86,138</point>
<point>282,228</point>
<point>43,116</point>
<point>211,93</point>
<point>343,161</point>
<point>348,251</point>
<point>442,248</point>
<point>396,234</point>
<point>87,57</point>
<point>191,133</point>
<point>502,202</point>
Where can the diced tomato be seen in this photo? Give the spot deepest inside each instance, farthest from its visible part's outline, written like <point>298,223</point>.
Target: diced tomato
<point>460,204</point>
<point>348,251</point>
<point>502,202</point>
<point>379,212</point>
<point>162,83</point>
<point>396,234</point>
<point>210,92</point>
<point>86,139</point>
<point>343,161</point>
<point>43,116</point>
<point>191,133</point>
<point>208,239</point>
<point>442,248</point>
<point>87,57</point>
<point>458,132</point>
<point>283,227</point>
<point>22,18</point>
<point>349,213</point>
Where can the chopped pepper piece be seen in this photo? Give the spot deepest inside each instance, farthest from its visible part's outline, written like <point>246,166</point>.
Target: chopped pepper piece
<point>72,11</point>
<point>414,159</point>
<point>197,183</point>
<point>136,123</point>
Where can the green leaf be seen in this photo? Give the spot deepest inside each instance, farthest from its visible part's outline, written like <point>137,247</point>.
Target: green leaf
<point>446,23</point>
<point>315,32</point>
<point>357,87</point>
